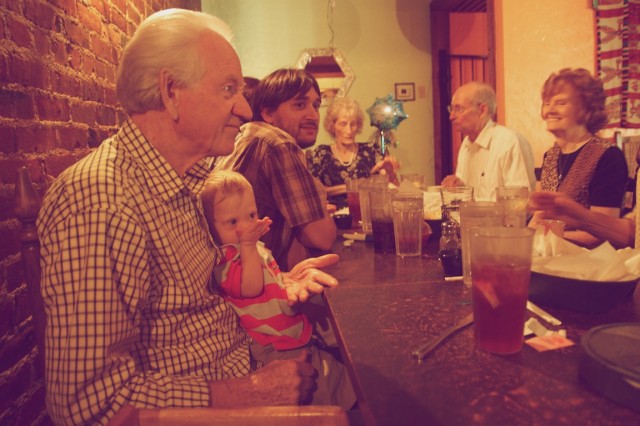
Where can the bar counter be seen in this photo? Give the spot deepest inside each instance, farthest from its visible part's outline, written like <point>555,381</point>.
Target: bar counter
<point>386,306</point>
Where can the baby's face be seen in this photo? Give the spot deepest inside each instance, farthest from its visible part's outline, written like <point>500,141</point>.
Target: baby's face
<point>233,213</point>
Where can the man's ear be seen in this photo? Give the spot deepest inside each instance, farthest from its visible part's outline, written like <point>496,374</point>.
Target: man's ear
<point>267,115</point>
<point>168,93</point>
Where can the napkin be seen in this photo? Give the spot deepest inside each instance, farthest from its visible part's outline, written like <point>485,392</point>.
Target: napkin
<point>432,205</point>
<point>555,256</point>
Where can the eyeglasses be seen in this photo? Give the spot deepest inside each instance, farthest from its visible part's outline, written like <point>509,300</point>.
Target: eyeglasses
<point>458,109</point>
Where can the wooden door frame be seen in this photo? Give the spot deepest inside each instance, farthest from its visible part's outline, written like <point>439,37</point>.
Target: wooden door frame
<point>441,77</point>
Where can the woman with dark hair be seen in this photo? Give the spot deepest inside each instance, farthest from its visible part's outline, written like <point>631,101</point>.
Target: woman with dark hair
<point>588,169</point>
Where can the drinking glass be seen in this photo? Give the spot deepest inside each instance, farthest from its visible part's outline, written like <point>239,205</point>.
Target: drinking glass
<point>373,183</point>
<point>382,221</point>
<point>475,213</point>
<point>452,197</point>
<point>501,263</point>
<point>514,202</point>
<point>407,223</point>
<point>353,199</point>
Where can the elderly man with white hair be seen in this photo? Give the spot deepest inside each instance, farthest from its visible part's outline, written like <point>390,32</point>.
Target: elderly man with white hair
<point>490,155</point>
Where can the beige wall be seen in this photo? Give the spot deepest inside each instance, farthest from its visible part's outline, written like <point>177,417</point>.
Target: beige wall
<point>532,42</point>
<point>385,42</point>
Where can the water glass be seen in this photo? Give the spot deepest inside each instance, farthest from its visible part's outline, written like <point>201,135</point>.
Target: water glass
<point>353,199</point>
<point>501,263</point>
<point>514,202</point>
<point>371,184</point>
<point>407,223</point>
<point>475,213</point>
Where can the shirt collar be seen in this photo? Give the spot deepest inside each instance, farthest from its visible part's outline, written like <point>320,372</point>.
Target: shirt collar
<point>163,179</point>
<point>484,138</point>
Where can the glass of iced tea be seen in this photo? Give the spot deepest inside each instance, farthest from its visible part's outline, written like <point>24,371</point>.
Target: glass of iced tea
<point>501,267</point>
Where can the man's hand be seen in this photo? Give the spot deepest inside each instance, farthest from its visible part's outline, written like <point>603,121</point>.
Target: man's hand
<point>250,234</point>
<point>282,382</point>
<point>452,180</point>
<point>305,279</point>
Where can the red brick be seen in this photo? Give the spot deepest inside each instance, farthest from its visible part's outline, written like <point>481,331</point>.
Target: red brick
<point>16,384</point>
<point>59,161</point>
<point>32,406</point>
<point>15,274</point>
<point>88,18</point>
<point>102,9</point>
<point>68,6</point>
<point>70,138</point>
<point>7,139</point>
<point>43,42</point>
<point>83,113</point>
<point>28,72</point>
<point>14,104</point>
<point>88,64</point>
<point>40,13</point>
<point>19,32</point>
<point>101,48</point>
<point>60,51</point>
<point>106,116</point>
<point>110,95</point>
<point>7,202</point>
<point>91,91</point>
<point>9,167</point>
<point>66,84</point>
<point>52,109</point>
<point>6,317</point>
<point>77,34</point>
<point>35,138</point>
<point>75,57</point>
<point>9,238</point>
<point>22,303</point>
<point>117,19</point>
<point>119,6</point>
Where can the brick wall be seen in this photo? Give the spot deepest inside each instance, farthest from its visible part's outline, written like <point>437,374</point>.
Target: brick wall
<point>58,61</point>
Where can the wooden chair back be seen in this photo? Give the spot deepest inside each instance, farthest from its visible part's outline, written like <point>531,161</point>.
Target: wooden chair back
<point>27,206</point>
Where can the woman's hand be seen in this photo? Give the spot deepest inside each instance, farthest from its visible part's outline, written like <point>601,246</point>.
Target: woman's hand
<point>389,164</point>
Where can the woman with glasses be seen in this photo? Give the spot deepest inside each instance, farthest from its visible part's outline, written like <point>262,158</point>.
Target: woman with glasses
<point>582,166</point>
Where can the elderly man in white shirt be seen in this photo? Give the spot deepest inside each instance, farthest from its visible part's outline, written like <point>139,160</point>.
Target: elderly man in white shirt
<point>490,155</point>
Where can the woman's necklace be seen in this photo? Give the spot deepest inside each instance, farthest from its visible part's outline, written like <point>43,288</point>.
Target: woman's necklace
<point>564,160</point>
<point>344,163</point>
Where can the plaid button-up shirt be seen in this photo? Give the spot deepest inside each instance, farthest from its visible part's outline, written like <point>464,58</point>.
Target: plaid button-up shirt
<point>126,260</point>
<point>285,190</point>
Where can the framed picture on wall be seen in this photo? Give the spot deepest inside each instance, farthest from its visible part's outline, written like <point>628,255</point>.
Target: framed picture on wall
<point>405,92</point>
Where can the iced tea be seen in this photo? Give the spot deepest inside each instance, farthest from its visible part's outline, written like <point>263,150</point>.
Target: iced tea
<point>499,294</point>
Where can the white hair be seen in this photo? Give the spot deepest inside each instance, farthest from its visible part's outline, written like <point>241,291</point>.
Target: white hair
<point>170,40</point>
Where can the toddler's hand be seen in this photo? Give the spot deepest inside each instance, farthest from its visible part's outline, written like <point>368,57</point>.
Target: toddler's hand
<point>252,233</point>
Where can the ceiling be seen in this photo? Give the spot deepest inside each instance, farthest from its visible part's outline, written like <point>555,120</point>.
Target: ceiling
<point>460,5</point>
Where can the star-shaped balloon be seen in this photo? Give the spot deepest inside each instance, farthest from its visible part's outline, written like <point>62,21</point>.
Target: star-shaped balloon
<point>386,113</point>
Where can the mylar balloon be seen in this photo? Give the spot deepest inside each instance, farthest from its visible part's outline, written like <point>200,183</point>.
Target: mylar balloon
<point>386,114</point>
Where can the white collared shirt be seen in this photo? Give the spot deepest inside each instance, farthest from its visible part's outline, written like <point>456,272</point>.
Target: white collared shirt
<point>498,157</point>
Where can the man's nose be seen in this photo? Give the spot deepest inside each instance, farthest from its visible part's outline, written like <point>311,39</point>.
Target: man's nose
<point>242,109</point>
